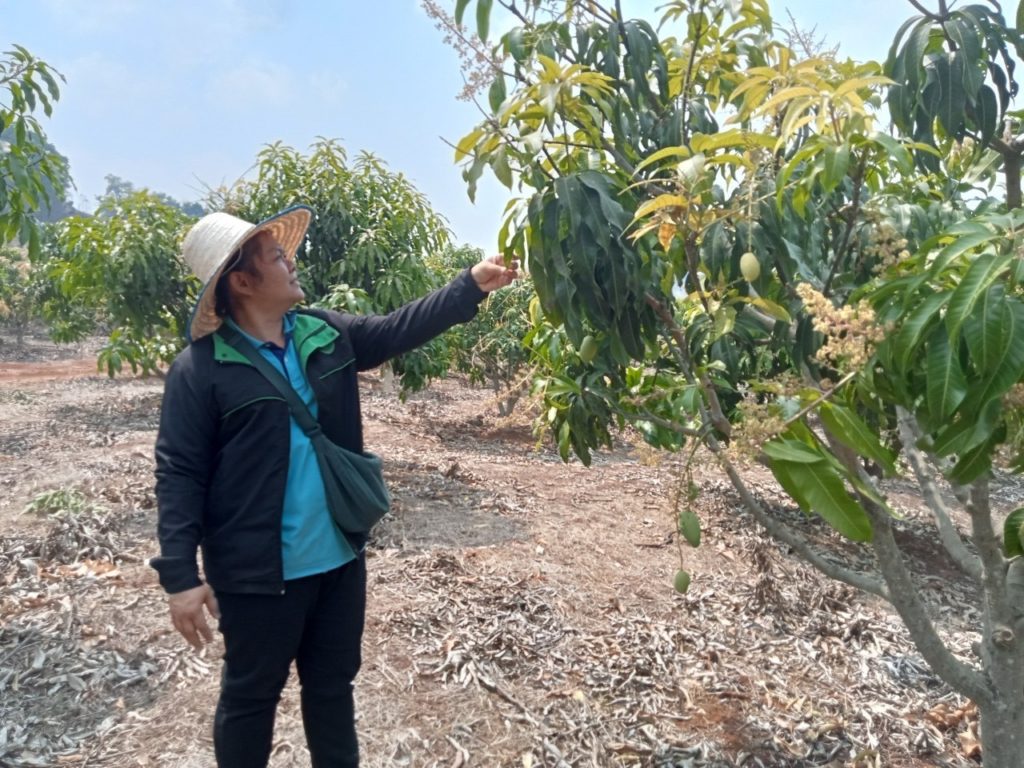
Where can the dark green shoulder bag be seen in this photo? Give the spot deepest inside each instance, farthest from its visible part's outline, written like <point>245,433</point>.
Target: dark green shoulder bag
<point>354,483</point>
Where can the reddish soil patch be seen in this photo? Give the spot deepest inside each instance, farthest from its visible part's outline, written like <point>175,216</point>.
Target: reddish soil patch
<point>13,374</point>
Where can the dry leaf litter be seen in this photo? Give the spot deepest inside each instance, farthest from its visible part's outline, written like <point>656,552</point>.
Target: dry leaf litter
<point>781,668</point>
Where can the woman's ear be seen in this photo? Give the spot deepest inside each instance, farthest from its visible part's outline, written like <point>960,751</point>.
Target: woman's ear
<point>240,282</point>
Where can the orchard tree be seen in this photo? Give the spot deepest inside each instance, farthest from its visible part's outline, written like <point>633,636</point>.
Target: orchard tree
<point>120,270</point>
<point>371,248</point>
<point>32,173</point>
<point>374,244</point>
<point>490,348</point>
<point>118,189</point>
<point>732,252</point>
<point>18,292</point>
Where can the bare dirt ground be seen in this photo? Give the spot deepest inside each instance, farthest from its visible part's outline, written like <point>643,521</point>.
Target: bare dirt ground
<point>521,610</point>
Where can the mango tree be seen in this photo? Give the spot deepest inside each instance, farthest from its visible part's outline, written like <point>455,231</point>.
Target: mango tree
<point>33,175</point>
<point>732,253</point>
<point>18,292</point>
<point>489,348</point>
<point>120,270</point>
<point>374,245</point>
<point>371,248</point>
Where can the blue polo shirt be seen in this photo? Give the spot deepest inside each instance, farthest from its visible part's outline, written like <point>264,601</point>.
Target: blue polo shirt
<point>310,541</point>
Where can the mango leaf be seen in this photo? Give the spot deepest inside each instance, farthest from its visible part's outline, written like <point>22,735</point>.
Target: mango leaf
<point>986,112</point>
<point>661,154</point>
<point>659,202</point>
<point>947,384</point>
<point>895,150</point>
<point>968,431</point>
<point>564,445</point>
<point>496,94</point>
<point>724,322</point>
<point>986,331</point>
<point>792,451</point>
<point>783,473</point>
<point>850,429</point>
<point>460,10</point>
<point>770,308</point>
<point>909,336</point>
<point>913,52</point>
<point>1011,366</point>
<point>466,143</point>
<point>499,164</point>
<point>787,95</point>
<point>979,235</point>
<point>1013,546</point>
<point>949,73</point>
<point>823,491</point>
<point>837,162</point>
<point>968,45</point>
<point>985,270</point>
<point>483,18</point>
<point>734,137</point>
<point>515,43</point>
<point>972,465</point>
<point>860,83</point>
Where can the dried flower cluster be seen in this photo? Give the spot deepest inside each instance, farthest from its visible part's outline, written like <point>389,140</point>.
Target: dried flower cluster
<point>760,422</point>
<point>961,152</point>
<point>886,246</point>
<point>1015,397</point>
<point>761,416</point>
<point>475,59</point>
<point>851,332</point>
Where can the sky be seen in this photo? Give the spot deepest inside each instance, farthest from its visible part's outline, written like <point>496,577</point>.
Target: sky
<point>180,96</point>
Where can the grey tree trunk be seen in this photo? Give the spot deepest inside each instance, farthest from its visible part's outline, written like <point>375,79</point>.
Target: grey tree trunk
<point>1002,731</point>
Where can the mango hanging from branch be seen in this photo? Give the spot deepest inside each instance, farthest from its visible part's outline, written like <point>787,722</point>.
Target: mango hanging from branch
<point>750,267</point>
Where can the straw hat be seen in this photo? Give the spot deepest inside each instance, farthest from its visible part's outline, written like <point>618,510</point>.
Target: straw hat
<point>215,238</point>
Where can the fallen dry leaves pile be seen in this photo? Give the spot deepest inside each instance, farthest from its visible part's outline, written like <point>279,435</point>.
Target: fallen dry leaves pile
<point>502,631</point>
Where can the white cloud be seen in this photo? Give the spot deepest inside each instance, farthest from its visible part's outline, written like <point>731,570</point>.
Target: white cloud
<point>96,14</point>
<point>102,86</point>
<point>251,86</point>
<point>327,87</point>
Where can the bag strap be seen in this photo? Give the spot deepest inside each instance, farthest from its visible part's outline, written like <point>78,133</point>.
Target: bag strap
<point>299,410</point>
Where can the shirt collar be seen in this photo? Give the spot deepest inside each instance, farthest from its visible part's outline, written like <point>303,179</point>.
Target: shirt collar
<point>287,325</point>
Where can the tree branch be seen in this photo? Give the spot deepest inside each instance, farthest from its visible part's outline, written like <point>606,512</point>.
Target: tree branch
<point>991,555</point>
<point>717,416</point>
<point>908,604</point>
<point>688,79</point>
<point>645,415</point>
<point>948,534</point>
<point>927,14</point>
<point>982,532</point>
<point>782,532</point>
<point>851,222</point>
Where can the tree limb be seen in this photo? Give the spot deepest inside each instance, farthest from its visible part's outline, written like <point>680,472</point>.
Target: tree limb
<point>908,604</point>
<point>688,79</point>
<point>851,222</point>
<point>990,553</point>
<point>927,14</point>
<point>948,534</point>
<point>717,416</point>
<point>645,415</point>
<point>783,533</point>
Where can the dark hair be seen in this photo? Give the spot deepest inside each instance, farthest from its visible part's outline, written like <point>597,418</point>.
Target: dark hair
<point>242,260</point>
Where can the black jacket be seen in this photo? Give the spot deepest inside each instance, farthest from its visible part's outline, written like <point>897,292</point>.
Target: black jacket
<point>223,443</point>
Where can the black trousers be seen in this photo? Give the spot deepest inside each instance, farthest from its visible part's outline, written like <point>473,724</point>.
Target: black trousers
<point>318,624</point>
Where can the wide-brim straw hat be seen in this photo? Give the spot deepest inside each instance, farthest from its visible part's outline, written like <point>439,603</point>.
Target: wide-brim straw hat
<point>215,238</point>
